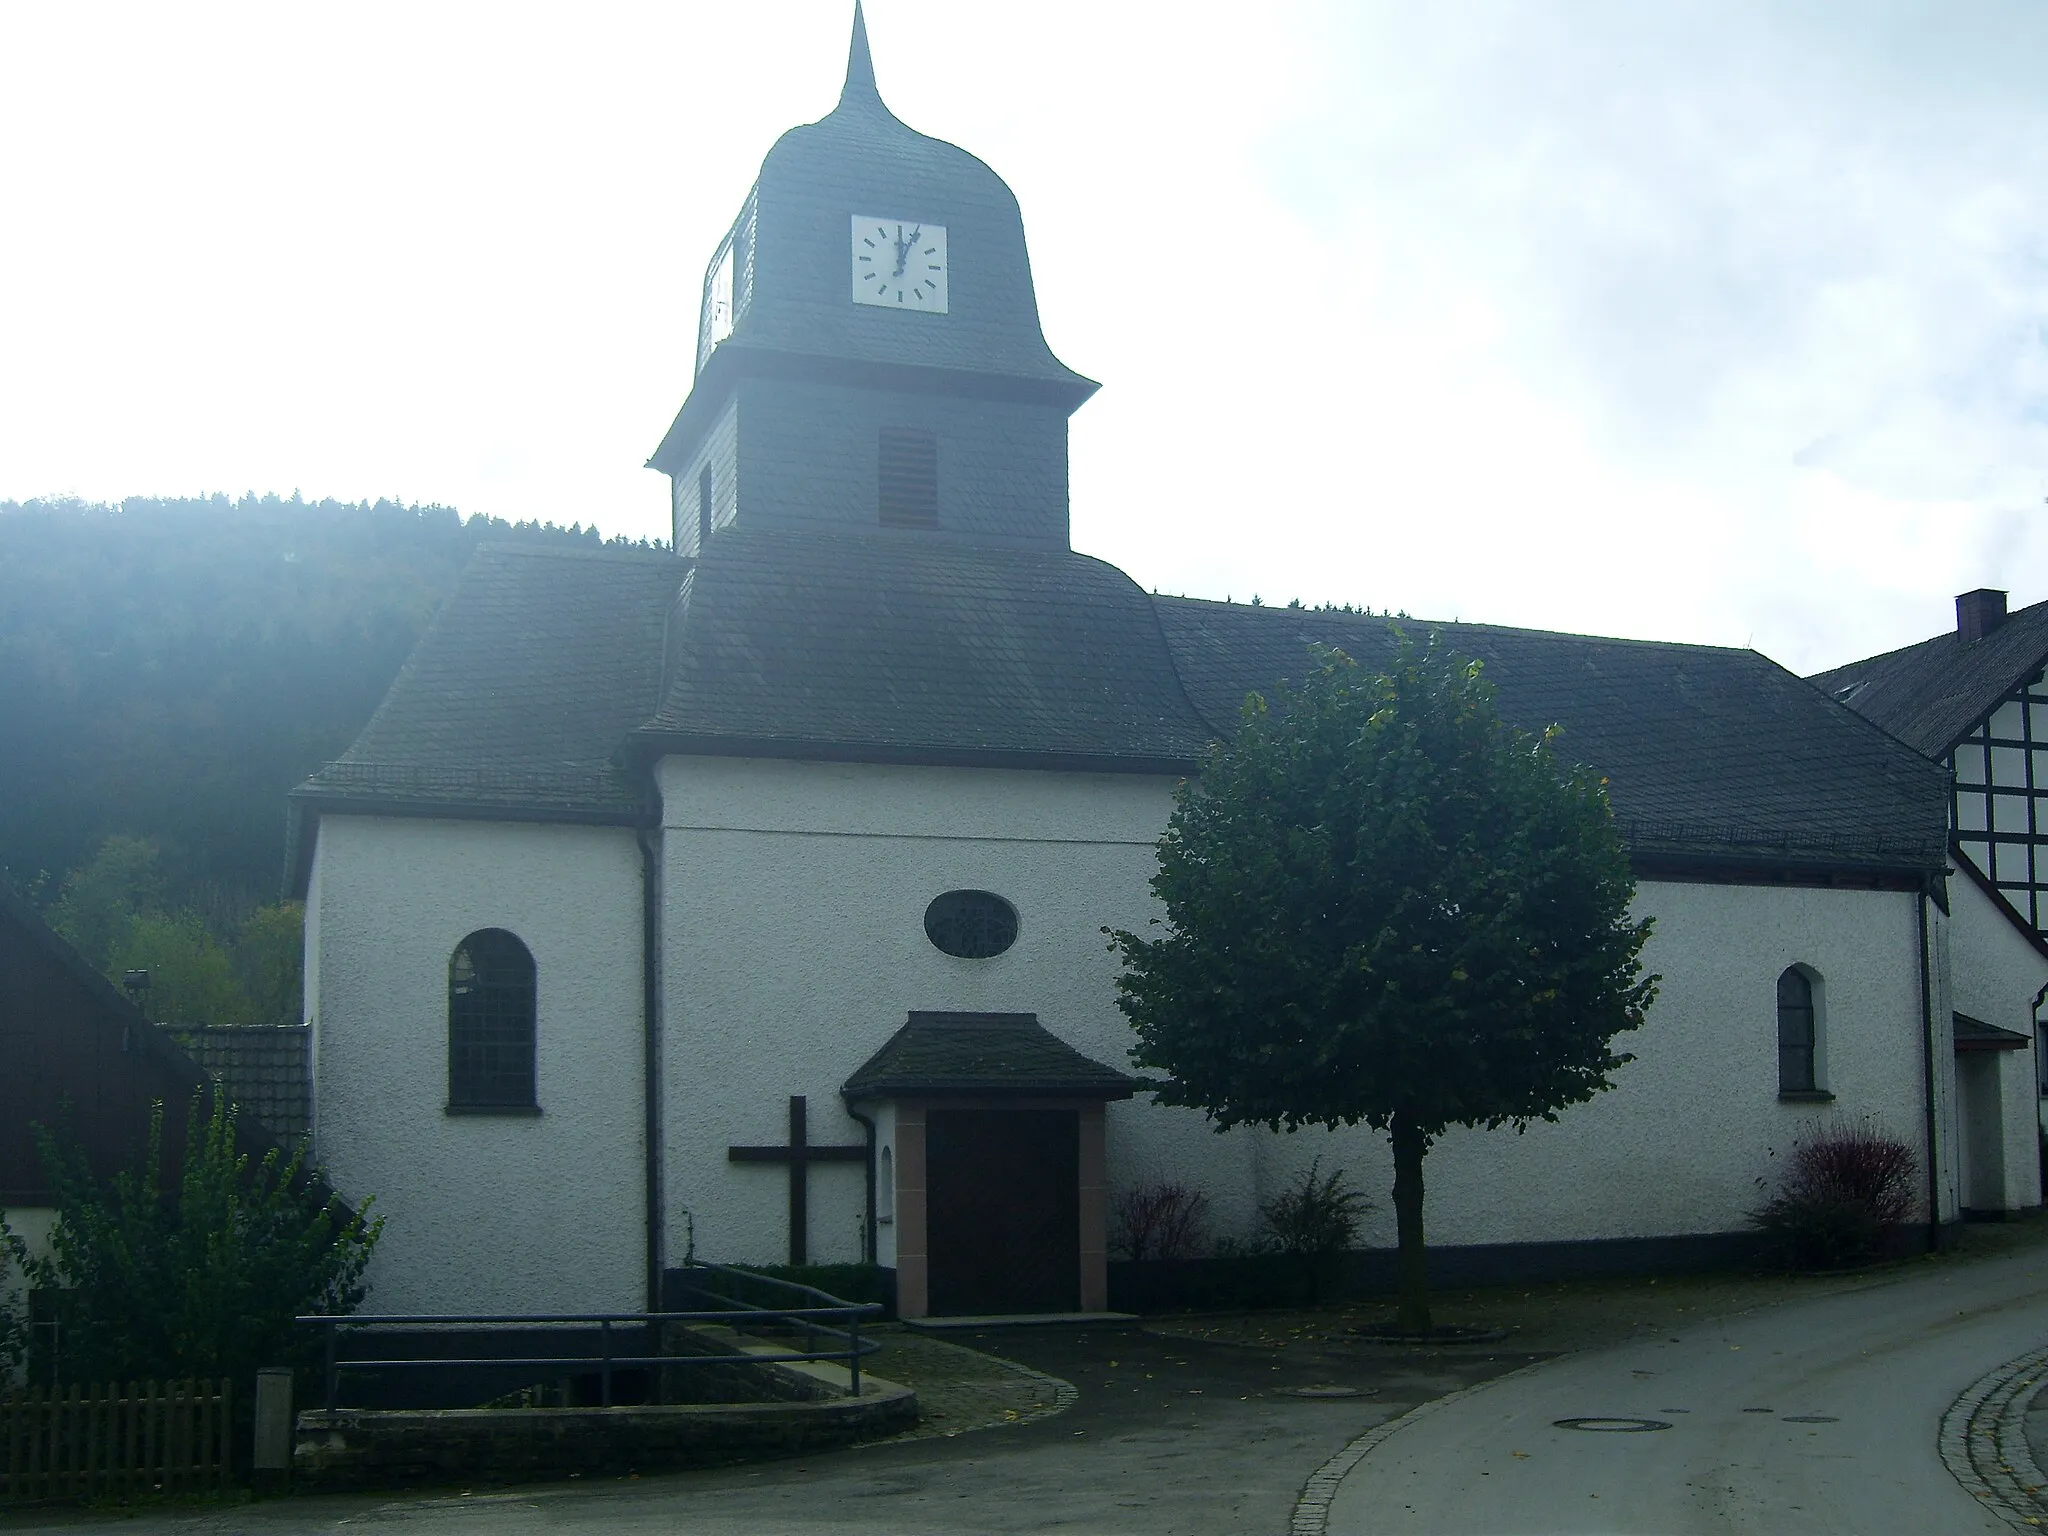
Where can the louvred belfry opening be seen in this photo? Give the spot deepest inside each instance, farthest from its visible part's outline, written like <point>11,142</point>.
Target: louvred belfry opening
<point>907,476</point>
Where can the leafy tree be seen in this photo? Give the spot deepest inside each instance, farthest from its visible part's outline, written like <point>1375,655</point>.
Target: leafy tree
<point>13,1319</point>
<point>99,901</point>
<point>191,978</point>
<point>1383,904</point>
<point>201,1281</point>
<point>270,960</point>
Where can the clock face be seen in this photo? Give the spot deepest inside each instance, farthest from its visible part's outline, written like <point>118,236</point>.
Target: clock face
<point>899,263</point>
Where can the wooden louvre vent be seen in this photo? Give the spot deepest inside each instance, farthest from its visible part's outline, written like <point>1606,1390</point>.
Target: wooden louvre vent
<point>909,478</point>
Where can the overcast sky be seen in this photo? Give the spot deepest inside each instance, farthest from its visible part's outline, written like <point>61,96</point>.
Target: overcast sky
<point>1718,322</point>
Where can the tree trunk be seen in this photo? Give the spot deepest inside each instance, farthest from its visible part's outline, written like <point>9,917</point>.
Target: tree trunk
<point>1409,1146</point>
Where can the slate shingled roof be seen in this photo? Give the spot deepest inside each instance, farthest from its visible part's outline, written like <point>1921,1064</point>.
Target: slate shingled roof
<point>1706,749</point>
<point>982,1053</point>
<point>1976,1035</point>
<point>521,691</point>
<point>538,691</point>
<point>1931,695</point>
<point>265,1070</point>
<point>869,645</point>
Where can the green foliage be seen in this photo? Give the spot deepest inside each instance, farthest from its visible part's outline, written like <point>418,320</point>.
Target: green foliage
<point>201,1281</point>
<point>1845,1186</point>
<point>848,1282</point>
<point>1385,905</point>
<point>1314,1217</point>
<point>270,960</point>
<point>216,968</point>
<point>1382,901</point>
<point>191,978</point>
<point>99,901</point>
<point>13,1305</point>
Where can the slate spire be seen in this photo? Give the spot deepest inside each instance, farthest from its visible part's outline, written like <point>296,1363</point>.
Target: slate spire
<point>860,66</point>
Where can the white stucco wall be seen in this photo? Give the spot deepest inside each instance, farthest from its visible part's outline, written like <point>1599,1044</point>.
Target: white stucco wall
<point>32,1224</point>
<point>794,898</point>
<point>796,894</point>
<point>1996,974</point>
<point>1690,1127</point>
<point>482,1213</point>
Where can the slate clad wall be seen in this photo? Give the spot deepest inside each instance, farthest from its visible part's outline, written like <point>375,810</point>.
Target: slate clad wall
<point>720,450</point>
<point>809,452</point>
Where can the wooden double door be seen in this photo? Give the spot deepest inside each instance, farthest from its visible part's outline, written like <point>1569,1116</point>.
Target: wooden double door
<point>1003,1222</point>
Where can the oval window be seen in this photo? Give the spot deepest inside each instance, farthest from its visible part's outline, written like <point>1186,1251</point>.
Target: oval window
<point>974,925</point>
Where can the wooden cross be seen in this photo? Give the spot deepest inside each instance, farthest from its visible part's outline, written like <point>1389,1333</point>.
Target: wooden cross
<point>799,1154</point>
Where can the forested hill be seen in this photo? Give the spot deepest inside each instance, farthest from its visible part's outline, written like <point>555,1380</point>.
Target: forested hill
<point>169,669</point>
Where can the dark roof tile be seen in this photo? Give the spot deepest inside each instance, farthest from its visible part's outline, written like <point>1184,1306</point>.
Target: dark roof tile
<point>520,692</point>
<point>265,1070</point>
<point>982,1053</point>
<point>1931,695</point>
<point>1704,748</point>
<point>921,645</point>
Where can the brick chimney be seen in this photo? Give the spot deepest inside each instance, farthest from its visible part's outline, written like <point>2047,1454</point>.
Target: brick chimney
<point>1978,613</point>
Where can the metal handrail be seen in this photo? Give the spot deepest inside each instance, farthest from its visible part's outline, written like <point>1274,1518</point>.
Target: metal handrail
<point>814,1320</point>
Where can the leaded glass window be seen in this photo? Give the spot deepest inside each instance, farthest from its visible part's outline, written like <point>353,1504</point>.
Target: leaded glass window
<point>1796,1036</point>
<point>490,1023</point>
<point>975,925</point>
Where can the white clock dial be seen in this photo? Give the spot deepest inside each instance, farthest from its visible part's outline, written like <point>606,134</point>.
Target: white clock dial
<point>899,263</point>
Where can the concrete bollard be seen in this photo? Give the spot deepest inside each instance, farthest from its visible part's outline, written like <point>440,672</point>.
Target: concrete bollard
<point>273,1450</point>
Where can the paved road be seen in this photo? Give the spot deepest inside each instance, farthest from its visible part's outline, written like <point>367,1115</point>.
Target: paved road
<point>1875,1368</point>
<point>1168,1437</point>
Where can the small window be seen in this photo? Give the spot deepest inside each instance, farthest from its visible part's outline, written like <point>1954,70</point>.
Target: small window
<point>1797,1035</point>
<point>490,1023</point>
<point>975,925</point>
<point>908,478</point>
<point>705,485</point>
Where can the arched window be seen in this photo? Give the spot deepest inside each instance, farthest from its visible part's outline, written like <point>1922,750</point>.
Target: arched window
<point>490,1023</point>
<point>1798,1033</point>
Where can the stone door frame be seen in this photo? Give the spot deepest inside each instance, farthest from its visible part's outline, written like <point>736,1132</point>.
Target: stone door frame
<point>913,1250</point>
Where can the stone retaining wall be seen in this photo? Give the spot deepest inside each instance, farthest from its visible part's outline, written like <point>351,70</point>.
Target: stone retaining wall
<point>368,1448</point>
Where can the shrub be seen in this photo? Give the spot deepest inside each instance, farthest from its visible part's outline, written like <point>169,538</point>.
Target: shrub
<point>1844,1186</point>
<point>1314,1216</point>
<point>848,1282</point>
<point>201,1281</point>
<point>1160,1220</point>
<point>13,1322</point>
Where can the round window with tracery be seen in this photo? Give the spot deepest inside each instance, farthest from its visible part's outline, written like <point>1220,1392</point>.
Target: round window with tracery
<point>975,925</point>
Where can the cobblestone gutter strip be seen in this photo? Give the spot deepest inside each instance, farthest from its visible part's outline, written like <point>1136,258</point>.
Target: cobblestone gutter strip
<point>1984,1442</point>
<point>960,1389</point>
<point>1312,1509</point>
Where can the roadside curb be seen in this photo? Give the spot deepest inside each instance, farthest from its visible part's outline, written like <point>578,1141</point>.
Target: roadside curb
<point>1312,1507</point>
<point>1984,1442</point>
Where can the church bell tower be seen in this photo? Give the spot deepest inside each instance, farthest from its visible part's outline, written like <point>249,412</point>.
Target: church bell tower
<point>869,357</point>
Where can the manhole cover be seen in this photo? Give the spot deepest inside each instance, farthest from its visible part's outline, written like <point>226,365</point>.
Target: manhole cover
<point>1811,1418</point>
<point>1613,1426</point>
<point>1321,1392</point>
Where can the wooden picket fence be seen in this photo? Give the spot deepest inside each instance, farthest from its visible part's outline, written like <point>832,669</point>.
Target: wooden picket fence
<point>145,1438</point>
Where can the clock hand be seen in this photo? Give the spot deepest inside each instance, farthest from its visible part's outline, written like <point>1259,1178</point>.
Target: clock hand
<point>904,247</point>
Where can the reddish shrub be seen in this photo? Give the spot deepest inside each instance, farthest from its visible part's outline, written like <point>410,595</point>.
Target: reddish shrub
<point>1161,1220</point>
<point>1843,1186</point>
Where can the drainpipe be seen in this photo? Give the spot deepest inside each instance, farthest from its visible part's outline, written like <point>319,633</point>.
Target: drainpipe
<point>650,1064</point>
<point>871,1249</point>
<point>1928,1055</point>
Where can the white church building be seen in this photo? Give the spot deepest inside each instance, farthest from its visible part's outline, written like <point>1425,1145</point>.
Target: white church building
<point>747,901</point>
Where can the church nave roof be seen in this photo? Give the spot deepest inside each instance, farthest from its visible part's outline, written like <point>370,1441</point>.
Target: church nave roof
<point>1706,749</point>
<point>911,647</point>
